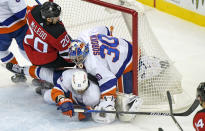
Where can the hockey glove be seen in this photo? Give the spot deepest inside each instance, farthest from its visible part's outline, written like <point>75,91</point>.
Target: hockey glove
<point>106,104</point>
<point>66,106</point>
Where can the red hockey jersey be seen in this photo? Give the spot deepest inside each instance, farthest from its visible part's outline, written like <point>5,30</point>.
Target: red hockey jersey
<point>199,120</point>
<point>43,43</point>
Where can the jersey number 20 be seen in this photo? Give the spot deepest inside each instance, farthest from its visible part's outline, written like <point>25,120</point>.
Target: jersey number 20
<point>36,42</point>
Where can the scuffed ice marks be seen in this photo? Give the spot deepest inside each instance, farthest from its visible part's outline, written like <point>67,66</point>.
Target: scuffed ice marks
<point>23,110</point>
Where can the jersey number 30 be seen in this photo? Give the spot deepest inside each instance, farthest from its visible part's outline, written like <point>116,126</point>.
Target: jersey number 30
<point>109,44</point>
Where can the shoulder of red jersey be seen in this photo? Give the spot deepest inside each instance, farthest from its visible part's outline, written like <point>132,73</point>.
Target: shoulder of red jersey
<point>199,114</point>
<point>55,30</point>
<point>201,111</point>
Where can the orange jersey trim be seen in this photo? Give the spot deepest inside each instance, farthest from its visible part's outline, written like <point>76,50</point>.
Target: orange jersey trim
<point>128,69</point>
<point>111,92</point>
<point>13,28</point>
<point>55,92</point>
<point>14,61</point>
<point>120,86</point>
<point>32,71</point>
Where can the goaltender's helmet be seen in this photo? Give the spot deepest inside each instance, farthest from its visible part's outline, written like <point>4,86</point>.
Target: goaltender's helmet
<point>201,91</point>
<point>77,51</point>
<point>50,9</point>
<point>80,81</point>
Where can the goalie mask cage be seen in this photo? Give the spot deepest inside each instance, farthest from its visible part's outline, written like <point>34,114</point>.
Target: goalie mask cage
<point>130,22</point>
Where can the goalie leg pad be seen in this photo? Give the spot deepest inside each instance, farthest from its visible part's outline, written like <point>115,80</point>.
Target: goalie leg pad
<point>127,102</point>
<point>106,104</point>
<point>17,78</point>
<point>104,117</point>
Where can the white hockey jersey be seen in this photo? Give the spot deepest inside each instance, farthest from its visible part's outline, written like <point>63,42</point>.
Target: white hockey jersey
<point>90,97</point>
<point>108,57</point>
<point>12,15</point>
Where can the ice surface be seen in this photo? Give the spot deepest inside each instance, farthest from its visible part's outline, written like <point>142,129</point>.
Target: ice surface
<point>24,110</point>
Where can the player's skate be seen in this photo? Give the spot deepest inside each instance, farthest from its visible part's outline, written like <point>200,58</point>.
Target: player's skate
<point>15,68</point>
<point>39,82</point>
<point>42,86</point>
<point>18,78</point>
<point>41,90</point>
<point>19,73</point>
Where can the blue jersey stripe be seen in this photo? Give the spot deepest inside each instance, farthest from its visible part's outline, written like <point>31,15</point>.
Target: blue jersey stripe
<point>8,57</point>
<point>59,86</point>
<point>21,14</point>
<point>38,71</point>
<point>129,56</point>
<point>108,31</point>
<point>56,76</point>
<point>108,84</point>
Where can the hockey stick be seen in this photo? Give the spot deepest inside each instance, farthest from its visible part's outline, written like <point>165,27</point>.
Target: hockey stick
<point>37,1</point>
<point>186,113</point>
<point>190,110</point>
<point>9,66</point>
<point>171,110</point>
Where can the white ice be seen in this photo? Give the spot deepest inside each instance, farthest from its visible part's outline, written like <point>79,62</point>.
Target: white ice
<point>21,109</point>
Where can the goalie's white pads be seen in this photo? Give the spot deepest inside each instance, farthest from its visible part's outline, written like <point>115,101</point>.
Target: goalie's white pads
<point>106,104</point>
<point>128,102</point>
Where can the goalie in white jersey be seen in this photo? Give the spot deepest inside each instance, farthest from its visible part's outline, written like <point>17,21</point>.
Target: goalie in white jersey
<point>109,59</point>
<point>103,56</point>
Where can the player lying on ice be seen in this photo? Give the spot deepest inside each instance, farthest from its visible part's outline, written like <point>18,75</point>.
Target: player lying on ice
<point>109,59</point>
<point>72,87</point>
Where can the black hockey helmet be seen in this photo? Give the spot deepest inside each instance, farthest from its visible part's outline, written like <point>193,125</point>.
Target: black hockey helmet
<point>50,9</point>
<point>201,91</point>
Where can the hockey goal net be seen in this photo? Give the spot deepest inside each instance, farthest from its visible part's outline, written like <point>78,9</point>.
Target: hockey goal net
<point>129,20</point>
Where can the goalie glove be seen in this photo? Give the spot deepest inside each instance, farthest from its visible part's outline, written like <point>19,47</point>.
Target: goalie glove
<point>129,103</point>
<point>106,104</point>
<point>65,105</point>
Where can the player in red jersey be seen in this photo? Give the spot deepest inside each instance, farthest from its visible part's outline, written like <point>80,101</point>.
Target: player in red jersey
<point>199,118</point>
<point>46,42</point>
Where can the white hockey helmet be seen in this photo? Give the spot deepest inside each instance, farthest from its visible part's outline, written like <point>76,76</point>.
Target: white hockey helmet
<point>80,82</point>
